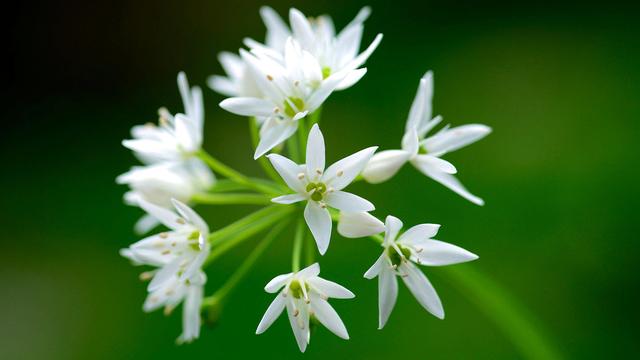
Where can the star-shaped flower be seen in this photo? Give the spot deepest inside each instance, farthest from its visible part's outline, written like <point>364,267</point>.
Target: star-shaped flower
<point>290,90</point>
<point>400,254</point>
<point>322,188</point>
<point>304,294</point>
<point>178,254</point>
<point>425,152</point>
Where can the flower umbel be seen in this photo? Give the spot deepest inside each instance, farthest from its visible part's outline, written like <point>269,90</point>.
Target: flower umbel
<point>322,188</point>
<point>304,294</point>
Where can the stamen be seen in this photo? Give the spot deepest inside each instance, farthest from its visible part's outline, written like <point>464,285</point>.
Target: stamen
<point>181,221</point>
<point>276,110</point>
<point>323,205</point>
<point>269,77</point>
<point>300,176</point>
<point>296,312</point>
<point>164,235</point>
<point>296,83</point>
<point>419,250</point>
<point>340,173</point>
<point>318,171</point>
<point>166,252</point>
<point>167,310</point>
<point>147,275</point>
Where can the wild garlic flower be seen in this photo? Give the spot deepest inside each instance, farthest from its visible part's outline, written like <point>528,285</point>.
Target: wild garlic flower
<point>322,188</point>
<point>175,137</point>
<point>239,80</point>
<point>425,152</point>
<point>304,294</point>
<point>178,255</point>
<point>334,53</point>
<point>290,91</point>
<point>400,254</point>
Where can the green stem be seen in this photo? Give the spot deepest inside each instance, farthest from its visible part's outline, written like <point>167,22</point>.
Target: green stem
<point>244,268</point>
<point>297,246</point>
<point>231,198</point>
<point>244,233</point>
<point>310,249</point>
<point>514,321</point>
<point>219,235</point>
<point>262,160</point>
<point>234,175</point>
<point>314,118</point>
<point>292,147</point>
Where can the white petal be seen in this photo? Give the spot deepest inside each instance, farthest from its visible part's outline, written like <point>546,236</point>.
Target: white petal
<point>273,312</point>
<point>439,253</point>
<point>277,282</point>
<point>191,314</point>
<point>288,199</point>
<point>274,136</point>
<point>326,88</point>
<point>342,172</point>
<point>299,323</point>
<point>387,295</point>
<point>329,317</point>
<point>360,59</point>
<point>145,224</point>
<point>384,165</point>
<point>345,201</point>
<point>166,217</point>
<point>166,273</point>
<point>420,111</point>
<point>432,162</point>
<point>288,170</point>
<point>319,222</point>
<point>191,216</point>
<point>422,289</point>
<point>223,85</point>
<point>376,268</point>
<point>186,133</point>
<point>248,106</point>
<point>315,152</point>
<point>419,233</point>
<point>359,224</point>
<point>310,271</point>
<point>447,180</point>
<point>352,78</point>
<point>410,142</point>
<point>301,28</point>
<point>455,138</point>
<point>277,30</point>
<point>392,226</point>
<point>330,289</point>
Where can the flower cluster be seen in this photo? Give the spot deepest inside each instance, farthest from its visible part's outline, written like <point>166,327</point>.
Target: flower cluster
<point>281,85</point>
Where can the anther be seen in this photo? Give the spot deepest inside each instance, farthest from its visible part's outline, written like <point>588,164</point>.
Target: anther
<point>166,252</point>
<point>323,205</point>
<point>296,83</point>
<point>164,235</point>
<point>419,250</point>
<point>276,110</point>
<point>318,171</point>
<point>181,221</point>
<point>301,176</point>
<point>147,275</point>
<point>296,312</point>
<point>269,77</point>
<point>168,310</point>
<point>340,173</point>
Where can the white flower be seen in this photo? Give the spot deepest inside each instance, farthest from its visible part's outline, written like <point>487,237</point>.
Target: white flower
<point>175,137</point>
<point>159,183</point>
<point>239,81</point>
<point>304,296</point>
<point>290,91</point>
<point>320,187</point>
<point>399,257</point>
<point>424,153</point>
<point>179,255</point>
<point>334,53</point>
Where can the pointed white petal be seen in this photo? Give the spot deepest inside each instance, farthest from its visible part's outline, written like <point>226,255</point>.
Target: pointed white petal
<point>167,217</point>
<point>274,136</point>
<point>191,216</point>
<point>439,253</point>
<point>387,294</point>
<point>145,224</point>
<point>410,142</point>
<point>248,106</point>
<point>392,226</point>
<point>319,222</point>
<point>447,180</point>
<point>302,30</point>
<point>419,233</point>
<point>360,59</point>
<point>352,78</point>
<point>186,133</point>
<point>191,314</point>
<point>420,111</point>
<point>315,152</point>
<point>277,282</point>
<point>166,273</point>
<point>309,272</point>
<point>432,162</point>
<point>273,312</point>
<point>359,224</point>
<point>422,289</point>
<point>288,199</point>
<point>342,172</point>
<point>223,85</point>
<point>299,323</point>
<point>455,138</point>
<point>349,202</point>
<point>288,170</point>
<point>326,88</point>
<point>330,289</point>
<point>384,165</point>
<point>329,317</point>
<point>376,268</point>
<point>277,30</point>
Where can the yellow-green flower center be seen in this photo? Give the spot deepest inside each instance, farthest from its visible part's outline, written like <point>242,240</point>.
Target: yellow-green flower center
<point>193,240</point>
<point>292,102</point>
<point>326,71</point>
<point>318,190</point>
<point>396,258</point>
<point>295,288</point>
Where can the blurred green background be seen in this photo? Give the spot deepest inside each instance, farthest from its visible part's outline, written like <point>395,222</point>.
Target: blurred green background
<point>558,82</point>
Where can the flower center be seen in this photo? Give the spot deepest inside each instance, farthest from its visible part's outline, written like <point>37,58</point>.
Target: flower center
<point>317,190</point>
<point>295,288</point>
<point>396,258</point>
<point>292,102</point>
<point>193,240</point>
<point>326,71</point>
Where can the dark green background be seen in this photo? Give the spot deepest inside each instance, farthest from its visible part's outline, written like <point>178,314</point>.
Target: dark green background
<point>559,84</point>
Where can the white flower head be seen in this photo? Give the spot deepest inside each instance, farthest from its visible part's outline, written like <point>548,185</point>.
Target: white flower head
<point>239,80</point>
<point>175,137</point>
<point>321,187</point>
<point>334,52</point>
<point>290,91</point>
<point>304,294</point>
<point>179,255</point>
<point>425,152</point>
<point>399,258</point>
<point>161,182</point>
